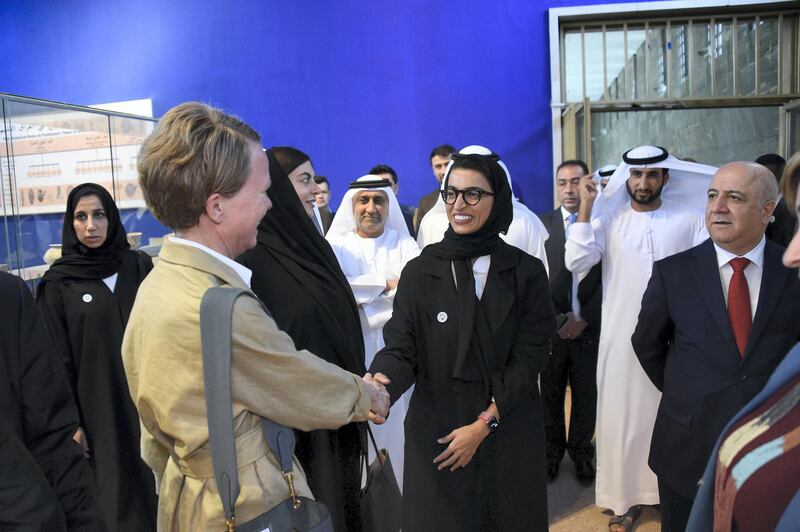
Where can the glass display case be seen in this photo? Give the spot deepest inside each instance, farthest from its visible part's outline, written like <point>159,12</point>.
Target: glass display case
<point>47,149</point>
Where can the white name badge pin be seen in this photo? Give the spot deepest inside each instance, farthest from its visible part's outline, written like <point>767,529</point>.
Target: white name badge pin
<point>87,298</point>
<point>442,317</point>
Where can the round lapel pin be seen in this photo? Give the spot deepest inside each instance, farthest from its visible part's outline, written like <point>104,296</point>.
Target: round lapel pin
<point>442,317</point>
<point>87,298</point>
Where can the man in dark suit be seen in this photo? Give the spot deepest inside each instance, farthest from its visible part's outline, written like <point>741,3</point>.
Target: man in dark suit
<point>323,201</point>
<point>45,482</point>
<point>574,359</point>
<point>387,172</point>
<point>715,322</point>
<point>781,227</point>
<point>439,159</point>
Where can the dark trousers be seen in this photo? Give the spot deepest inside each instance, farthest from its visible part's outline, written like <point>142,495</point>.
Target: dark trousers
<point>572,362</point>
<point>675,509</point>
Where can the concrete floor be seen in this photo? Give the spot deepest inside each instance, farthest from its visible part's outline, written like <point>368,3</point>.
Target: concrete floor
<point>572,509</point>
<point>571,506</point>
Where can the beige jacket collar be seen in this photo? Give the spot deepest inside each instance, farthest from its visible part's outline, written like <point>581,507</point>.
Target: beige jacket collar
<point>198,259</point>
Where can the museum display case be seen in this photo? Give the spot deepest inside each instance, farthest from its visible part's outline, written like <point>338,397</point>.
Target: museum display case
<point>48,148</point>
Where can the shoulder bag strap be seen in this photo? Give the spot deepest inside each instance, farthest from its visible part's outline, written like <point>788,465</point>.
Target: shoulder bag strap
<point>216,317</point>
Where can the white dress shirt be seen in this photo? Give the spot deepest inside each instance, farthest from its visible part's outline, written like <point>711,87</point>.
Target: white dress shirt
<point>480,270</point>
<point>752,272</point>
<point>111,281</point>
<point>244,273</point>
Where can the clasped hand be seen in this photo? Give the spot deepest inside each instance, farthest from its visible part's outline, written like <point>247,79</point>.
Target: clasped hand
<point>379,409</point>
<point>81,439</point>
<point>391,284</point>
<point>463,443</point>
<point>573,327</point>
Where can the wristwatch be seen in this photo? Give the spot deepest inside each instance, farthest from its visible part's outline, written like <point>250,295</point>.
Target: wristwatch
<point>491,422</point>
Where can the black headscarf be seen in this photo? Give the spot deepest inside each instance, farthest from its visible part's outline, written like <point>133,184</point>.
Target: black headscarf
<point>80,262</point>
<point>485,240</point>
<point>289,236</point>
<point>474,334</point>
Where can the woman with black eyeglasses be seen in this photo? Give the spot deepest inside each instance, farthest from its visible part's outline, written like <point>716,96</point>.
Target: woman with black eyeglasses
<point>471,328</point>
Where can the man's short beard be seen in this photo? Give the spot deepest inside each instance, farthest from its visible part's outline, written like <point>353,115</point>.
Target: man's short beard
<point>648,201</point>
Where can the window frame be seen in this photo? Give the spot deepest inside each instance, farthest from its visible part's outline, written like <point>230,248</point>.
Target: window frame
<point>603,16</point>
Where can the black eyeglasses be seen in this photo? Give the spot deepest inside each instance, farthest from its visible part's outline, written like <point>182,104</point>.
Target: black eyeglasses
<point>471,195</point>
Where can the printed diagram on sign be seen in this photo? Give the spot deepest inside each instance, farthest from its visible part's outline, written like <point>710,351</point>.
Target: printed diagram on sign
<point>49,161</point>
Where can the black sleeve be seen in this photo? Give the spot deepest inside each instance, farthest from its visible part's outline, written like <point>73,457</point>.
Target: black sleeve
<point>398,360</point>
<point>531,345</point>
<point>51,306</point>
<point>26,500</point>
<point>145,262</point>
<point>654,330</point>
<point>50,419</point>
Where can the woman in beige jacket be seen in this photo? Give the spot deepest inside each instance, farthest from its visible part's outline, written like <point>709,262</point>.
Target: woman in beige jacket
<point>204,174</point>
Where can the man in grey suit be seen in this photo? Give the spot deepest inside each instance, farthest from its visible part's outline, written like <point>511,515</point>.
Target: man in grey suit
<point>577,302</point>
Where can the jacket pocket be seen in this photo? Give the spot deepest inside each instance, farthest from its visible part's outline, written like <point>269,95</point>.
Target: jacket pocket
<point>678,415</point>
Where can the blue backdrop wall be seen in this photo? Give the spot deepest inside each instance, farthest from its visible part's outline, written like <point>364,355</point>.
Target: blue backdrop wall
<point>351,83</point>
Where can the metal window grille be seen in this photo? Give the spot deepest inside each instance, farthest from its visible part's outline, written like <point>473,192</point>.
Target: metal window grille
<point>721,39</point>
<point>683,54</point>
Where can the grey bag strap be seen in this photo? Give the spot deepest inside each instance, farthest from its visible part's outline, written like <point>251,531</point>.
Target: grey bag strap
<point>216,320</point>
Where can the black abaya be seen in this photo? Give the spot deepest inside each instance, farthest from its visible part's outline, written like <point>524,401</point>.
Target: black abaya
<point>86,321</point>
<point>45,483</point>
<point>461,352</point>
<point>296,275</point>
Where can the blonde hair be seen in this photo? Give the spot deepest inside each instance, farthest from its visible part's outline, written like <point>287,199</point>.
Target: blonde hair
<point>195,151</point>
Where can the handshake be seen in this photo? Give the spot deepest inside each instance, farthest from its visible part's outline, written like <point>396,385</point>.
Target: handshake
<point>379,410</point>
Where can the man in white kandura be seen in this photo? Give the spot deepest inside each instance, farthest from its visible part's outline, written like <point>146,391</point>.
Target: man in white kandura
<point>371,242</point>
<point>636,226</point>
<point>602,175</point>
<point>527,232</point>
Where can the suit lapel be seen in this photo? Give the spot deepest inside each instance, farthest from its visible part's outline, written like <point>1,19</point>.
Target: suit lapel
<point>705,272</point>
<point>773,279</point>
<point>556,241</point>
<point>497,298</point>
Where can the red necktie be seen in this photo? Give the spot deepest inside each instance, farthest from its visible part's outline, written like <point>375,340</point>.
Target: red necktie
<point>739,303</point>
